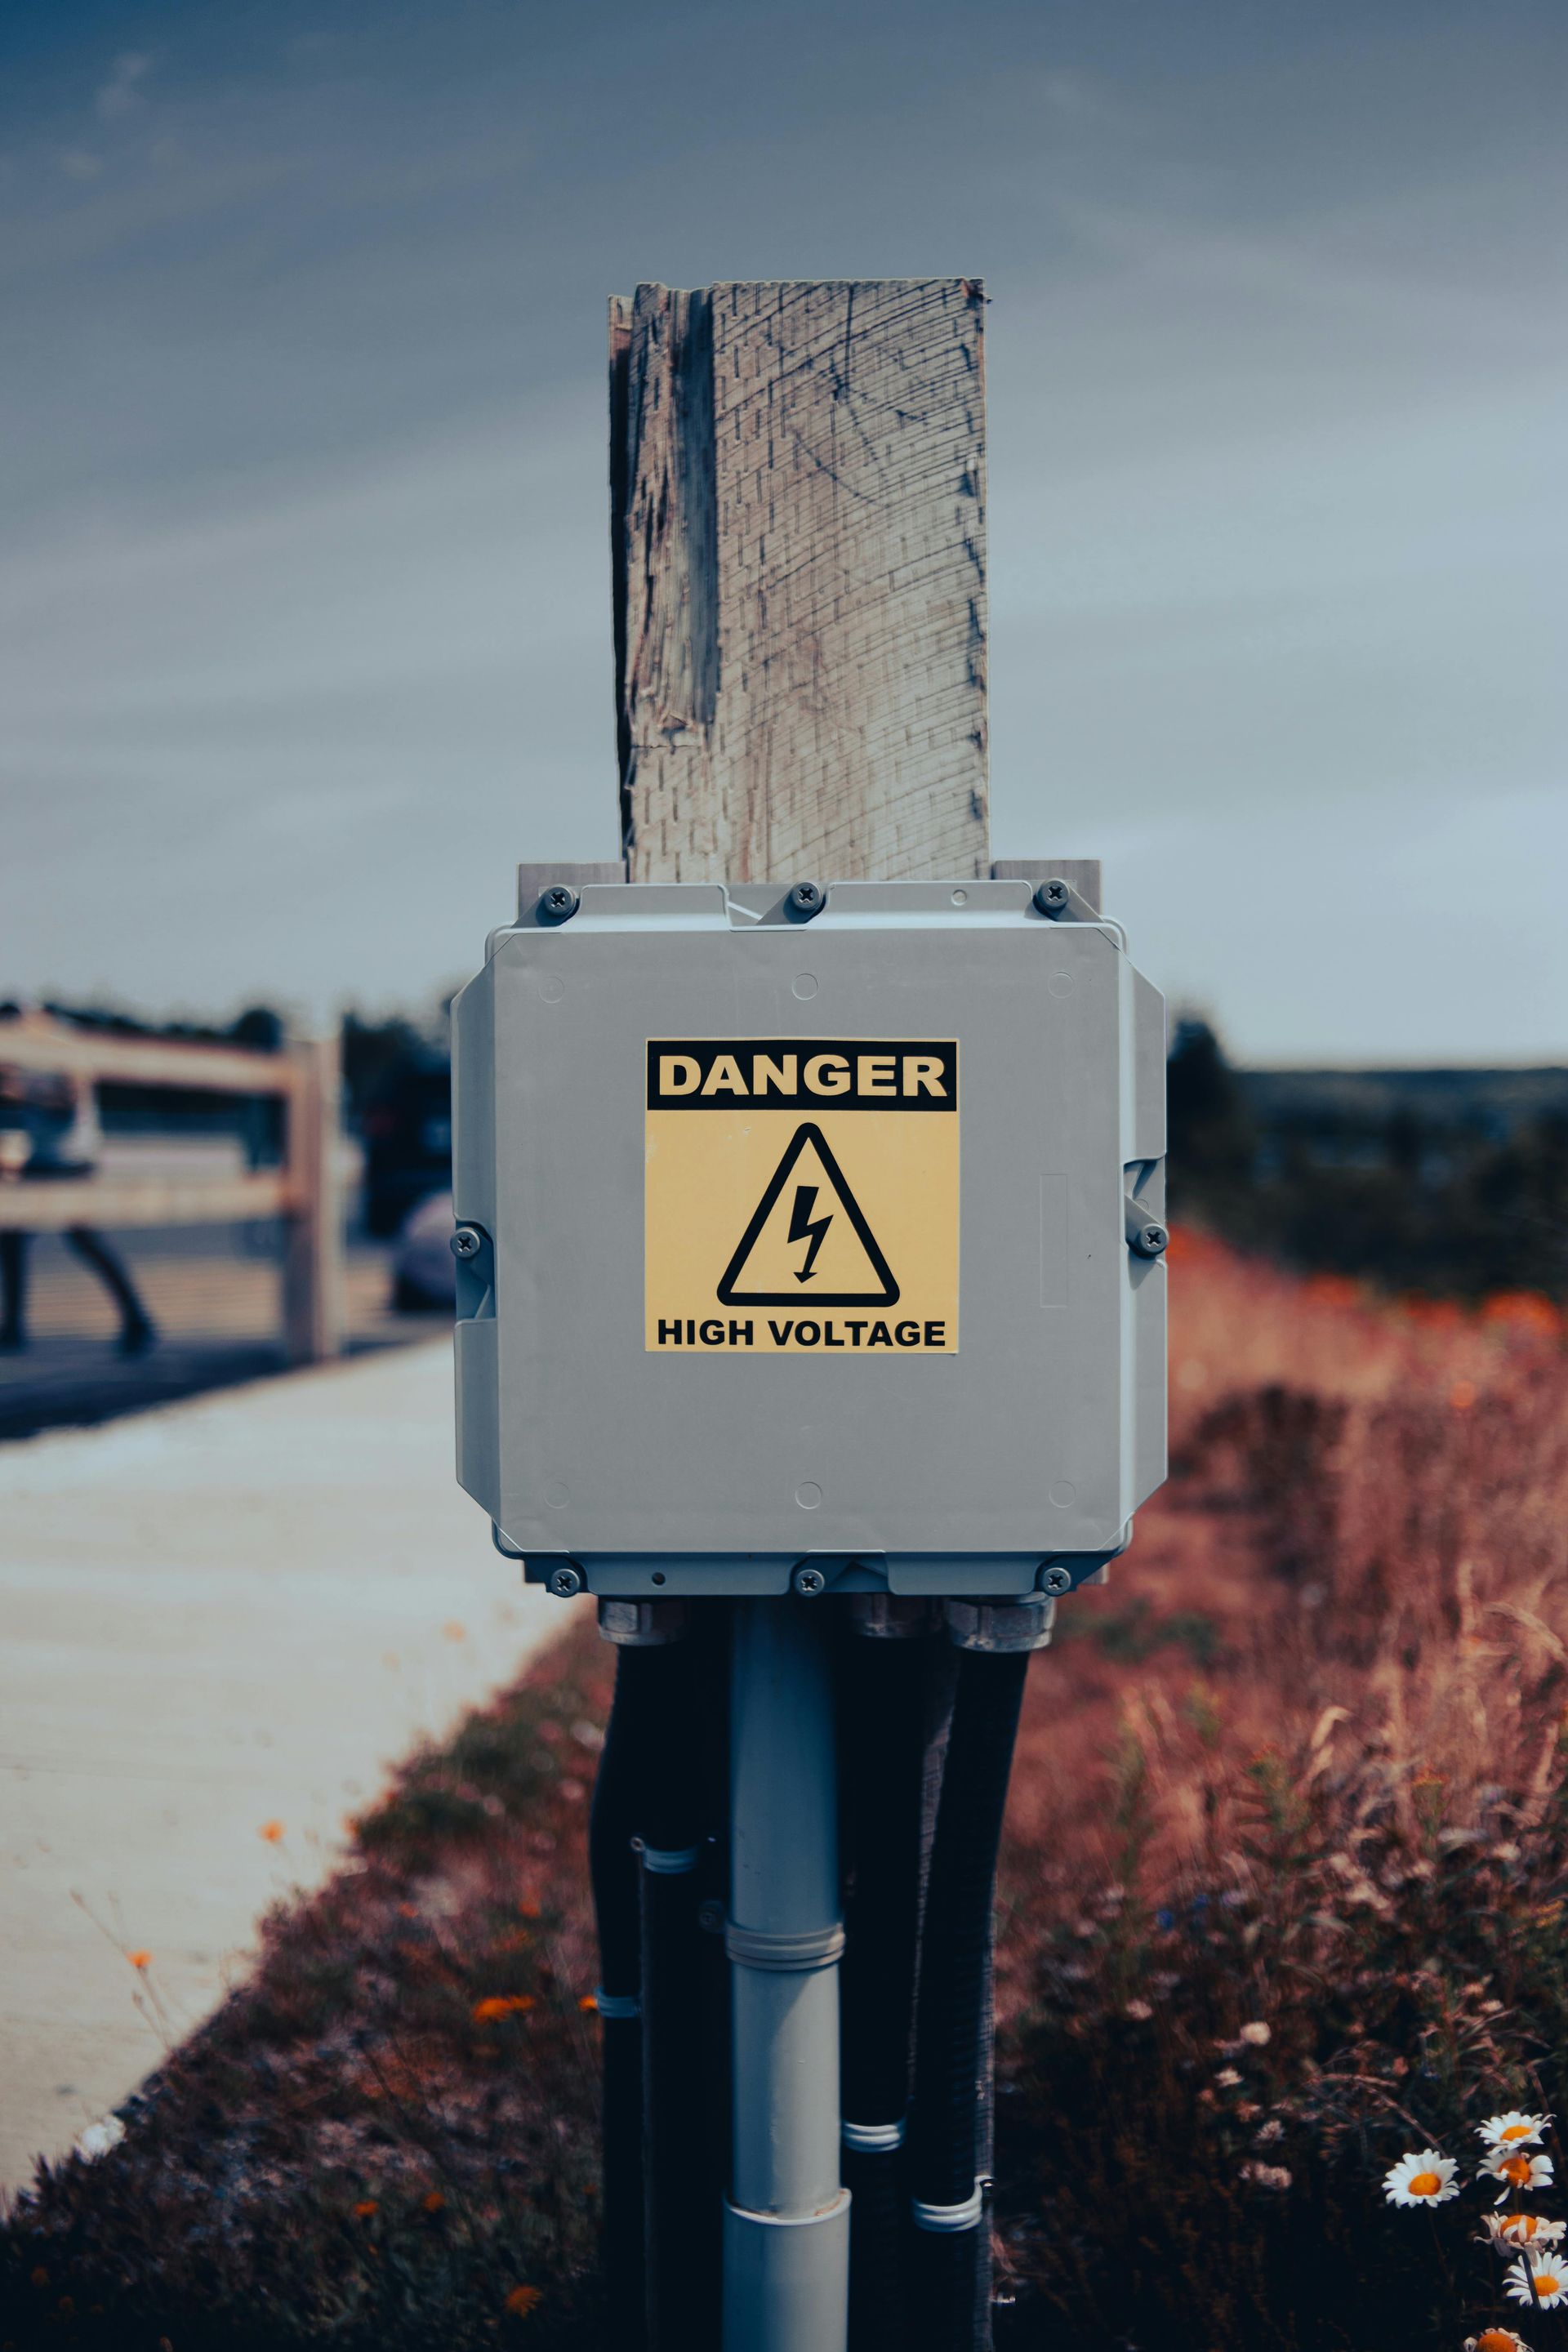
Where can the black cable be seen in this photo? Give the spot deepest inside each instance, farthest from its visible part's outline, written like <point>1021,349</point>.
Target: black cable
<point>674,1805</point>
<point>882,1693</point>
<point>952,2308</point>
<point>613,1864</point>
<point>878,2249</point>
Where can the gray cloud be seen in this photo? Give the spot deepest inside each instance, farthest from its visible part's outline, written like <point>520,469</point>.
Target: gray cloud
<point>121,94</point>
<point>303,609</point>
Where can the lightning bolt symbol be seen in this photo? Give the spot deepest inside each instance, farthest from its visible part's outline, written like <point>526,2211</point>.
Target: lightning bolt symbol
<point>803,1223</point>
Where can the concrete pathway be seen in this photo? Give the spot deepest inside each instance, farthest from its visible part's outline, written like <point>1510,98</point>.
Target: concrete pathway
<point>214,1292</point>
<point>215,1617</point>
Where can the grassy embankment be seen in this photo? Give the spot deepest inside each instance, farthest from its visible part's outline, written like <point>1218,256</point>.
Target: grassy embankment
<point>1283,1897</point>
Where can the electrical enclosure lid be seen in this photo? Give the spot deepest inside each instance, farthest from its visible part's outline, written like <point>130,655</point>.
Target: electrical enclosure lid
<point>810,1241</point>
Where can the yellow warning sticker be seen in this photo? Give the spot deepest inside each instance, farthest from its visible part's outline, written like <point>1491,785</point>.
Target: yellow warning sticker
<point>802,1196</point>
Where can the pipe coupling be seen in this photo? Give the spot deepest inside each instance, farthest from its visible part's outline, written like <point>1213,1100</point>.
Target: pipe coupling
<point>892,1616</point>
<point>644,1624</point>
<point>760,1948</point>
<point>836,2210</point>
<point>873,2139</point>
<point>1003,1627</point>
<point>667,1861</point>
<point>946,2220</point>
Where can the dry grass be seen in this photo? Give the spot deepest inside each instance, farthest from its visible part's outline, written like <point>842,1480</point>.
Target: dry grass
<point>387,2138</point>
<point>1300,1768</point>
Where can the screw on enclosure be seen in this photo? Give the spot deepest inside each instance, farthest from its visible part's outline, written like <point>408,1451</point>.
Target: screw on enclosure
<point>466,1242</point>
<point>1055,1579</point>
<point>711,1916</point>
<point>1151,1240</point>
<point>807,898</point>
<point>558,903</point>
<point>564,1582</point>
<point>809,1582</point>
<point>1053,897</point>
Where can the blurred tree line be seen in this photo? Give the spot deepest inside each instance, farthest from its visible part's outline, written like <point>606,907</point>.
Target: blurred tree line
<point>377,1054</point>
<point>1454,1182</point>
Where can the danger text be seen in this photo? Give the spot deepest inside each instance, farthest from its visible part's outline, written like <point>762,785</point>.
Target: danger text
<point>795,1073</point>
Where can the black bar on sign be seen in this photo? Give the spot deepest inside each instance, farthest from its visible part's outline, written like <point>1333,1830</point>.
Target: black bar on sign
<point>802,1073</point>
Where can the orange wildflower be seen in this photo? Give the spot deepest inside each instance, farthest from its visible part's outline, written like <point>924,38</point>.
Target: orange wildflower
<point>271,1831</point>
<point>523,2300</point>
<point>1434,1314</point>
<point>434,2201</point>
<point>501,2004</point>
<point>1522,1310</point>
<point>588,2003</point>
<point>140,1959</point>
<point>1332,1290</point>
<point>366,2208</point>
<point>528,1910</point>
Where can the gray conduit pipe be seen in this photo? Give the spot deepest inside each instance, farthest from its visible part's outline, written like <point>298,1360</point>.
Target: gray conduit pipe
<point>786,2223</point>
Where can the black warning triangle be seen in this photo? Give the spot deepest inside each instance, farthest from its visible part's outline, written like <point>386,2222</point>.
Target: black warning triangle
<point>881,1291</point>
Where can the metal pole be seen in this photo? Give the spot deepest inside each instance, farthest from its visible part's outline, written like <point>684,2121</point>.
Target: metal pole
<point>786,2224</point>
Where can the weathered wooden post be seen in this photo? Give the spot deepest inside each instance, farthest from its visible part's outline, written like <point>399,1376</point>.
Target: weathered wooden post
<point>799,579</point>
<point>313,1217</point>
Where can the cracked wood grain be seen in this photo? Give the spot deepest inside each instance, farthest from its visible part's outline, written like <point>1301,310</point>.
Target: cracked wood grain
<point>798,560</point>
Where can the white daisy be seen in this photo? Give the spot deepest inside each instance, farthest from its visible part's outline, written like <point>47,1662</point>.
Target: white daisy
<point>1516,2129</point>
<point>1496,2339</point>
<point>1425,2179</point>
<point>1517,2170</point>
<point>1521,2228</point>
<point>1544,2283</point>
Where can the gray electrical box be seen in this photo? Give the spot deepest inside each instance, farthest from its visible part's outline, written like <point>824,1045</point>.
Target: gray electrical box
<point>810,1228</point>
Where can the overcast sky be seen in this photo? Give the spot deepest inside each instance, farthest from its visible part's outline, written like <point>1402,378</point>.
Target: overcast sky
<point>304,627</point>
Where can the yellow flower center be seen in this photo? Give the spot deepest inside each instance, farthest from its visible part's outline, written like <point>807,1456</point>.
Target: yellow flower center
<point>1515,2131</point>
<point>1547,2283</point>
<point>1517,2169</point>
<point>1497,2339</point>
<point>1425,2184</point>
